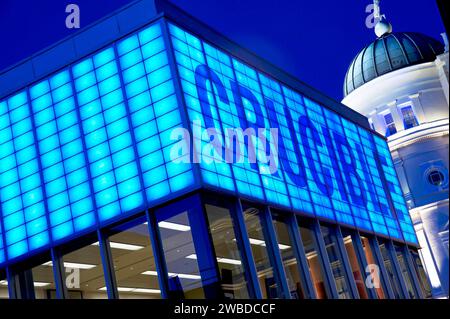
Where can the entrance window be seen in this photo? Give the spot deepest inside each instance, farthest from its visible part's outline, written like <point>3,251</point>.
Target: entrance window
<point>177,239</point>
<point>314,260</point>
<point>221,228</point>
<point>43,281</point>
<point>269,287</point>
<point>388,264</point>
<point>84,273</point>
<point>4,293</point>
<point>336,262</point>
<point>201,252</point>
<point>373,268</point>
<point>134,265</point>
<point>401,258</point>
<point>421,274</point>
<point>358,272</point>
<point>291,267</point>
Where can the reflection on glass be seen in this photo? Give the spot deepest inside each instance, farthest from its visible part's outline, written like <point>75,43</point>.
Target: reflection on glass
<point>335,258</point>
<point>287,254</point>
<point>390,271</point>
<point>43,281</point>
<point>4,294</point>
<point>179,251</point>
<point>374,268</point>
<point>134,264</point>
<point>267,281</point>
<point>231,270</point>
<point>405,271</point>
<point>314,260</point>
<point>84,273</point>
<point>354,264</point>
<point>421,274</point>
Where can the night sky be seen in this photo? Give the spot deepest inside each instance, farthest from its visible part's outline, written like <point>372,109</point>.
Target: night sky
<point>313,40</point>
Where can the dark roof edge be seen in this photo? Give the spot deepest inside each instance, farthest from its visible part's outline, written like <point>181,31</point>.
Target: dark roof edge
<point>78,32</point>
<point>118,24</point>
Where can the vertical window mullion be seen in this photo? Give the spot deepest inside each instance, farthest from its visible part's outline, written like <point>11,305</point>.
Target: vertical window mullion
<point>346,263</point>
<point>274,252</point>
<point>362,261</point>
<point>59,274</point>
<point>398,272</point>
<point>412,272</point>
<point>158,254</point>
<point>108,266</point>
<point>325,261</point>
<point>301,257</point>
<point>246,251</point>
<point>384,275</point>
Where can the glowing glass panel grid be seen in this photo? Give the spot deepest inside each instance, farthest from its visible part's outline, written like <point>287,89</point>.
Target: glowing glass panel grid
<point>311,160</point>
<point>229,118</point>
<point>325,161</point>
<point>126,101</point>
<point>69,201</point>
<point>274,185</point>
<point>107,135</point>
<point>366,167</point>
<point>189,54</point>
<point>379,214</point>
<point>154,112</point>
<point>322,157</point>
<point>288,151</point>
<point>97,126</point>
<point>21,195</point>
<point>398,200</point>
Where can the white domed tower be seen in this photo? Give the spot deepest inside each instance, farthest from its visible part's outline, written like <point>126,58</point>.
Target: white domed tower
<point>400,82</point>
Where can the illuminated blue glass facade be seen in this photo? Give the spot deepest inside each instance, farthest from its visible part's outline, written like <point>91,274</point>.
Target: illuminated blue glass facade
<point>327,164</point>
<point>91,144</point>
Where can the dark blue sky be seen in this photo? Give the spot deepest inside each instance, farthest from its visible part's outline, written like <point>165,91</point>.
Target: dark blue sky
<point>313,40</point>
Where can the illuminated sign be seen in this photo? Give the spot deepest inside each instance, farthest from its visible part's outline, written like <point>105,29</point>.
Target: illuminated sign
<point>94,143</point>
<point>328,166</point>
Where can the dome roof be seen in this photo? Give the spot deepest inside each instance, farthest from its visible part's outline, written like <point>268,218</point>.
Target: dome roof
<point>388,53</point>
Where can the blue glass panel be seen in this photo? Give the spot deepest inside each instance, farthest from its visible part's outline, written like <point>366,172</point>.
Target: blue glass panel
<point>59,79</point>
<point>149,33</point>
<point>103,57</point>
<point>128,45</point>
<point>62,231</point>
<point>84,222</point>
<point>61,93</point>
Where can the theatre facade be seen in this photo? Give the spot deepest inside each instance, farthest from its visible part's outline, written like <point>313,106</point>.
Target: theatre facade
<point>147,156</point>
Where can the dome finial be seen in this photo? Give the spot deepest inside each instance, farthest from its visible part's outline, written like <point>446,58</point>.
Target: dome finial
<point>383,26</point>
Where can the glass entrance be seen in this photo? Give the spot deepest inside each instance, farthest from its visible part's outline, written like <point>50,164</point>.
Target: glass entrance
<point>200,251</point>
